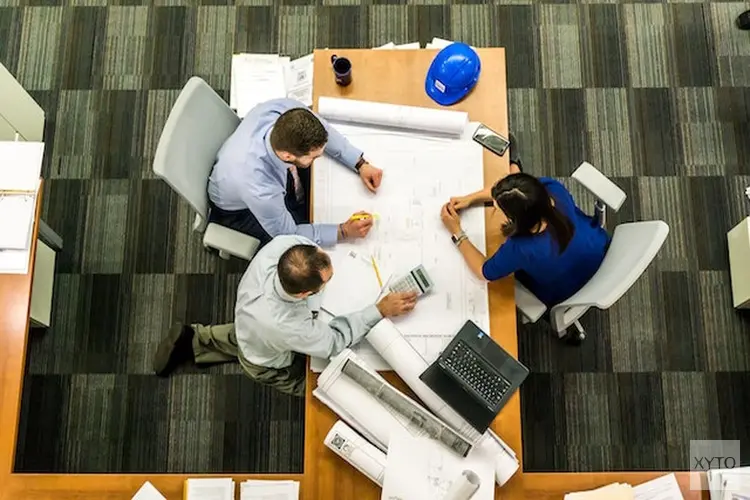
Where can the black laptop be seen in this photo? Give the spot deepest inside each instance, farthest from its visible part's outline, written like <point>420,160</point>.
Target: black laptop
<point>475,376</point>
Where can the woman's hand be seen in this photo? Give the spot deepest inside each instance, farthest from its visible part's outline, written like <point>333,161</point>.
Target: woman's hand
<point>451,219</point>
<point>461,202</point>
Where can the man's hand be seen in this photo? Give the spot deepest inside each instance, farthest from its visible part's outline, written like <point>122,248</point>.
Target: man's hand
<point>397,303</point>
<point>370,176</point>
<point>358,225</point>
<point>450,218</point>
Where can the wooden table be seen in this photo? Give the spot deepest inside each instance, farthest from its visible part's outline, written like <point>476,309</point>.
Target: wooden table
<point>387,76</point>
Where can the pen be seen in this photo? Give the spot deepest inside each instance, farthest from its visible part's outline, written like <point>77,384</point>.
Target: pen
<point>377,272</point>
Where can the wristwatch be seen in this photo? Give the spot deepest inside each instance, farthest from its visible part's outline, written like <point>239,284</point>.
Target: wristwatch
<point>458,238</point>
<point>359,164</point>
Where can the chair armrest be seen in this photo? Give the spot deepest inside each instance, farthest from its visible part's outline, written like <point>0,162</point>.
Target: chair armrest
<point>526,302</point>
<point>599,185</point>
<point>230,241</point>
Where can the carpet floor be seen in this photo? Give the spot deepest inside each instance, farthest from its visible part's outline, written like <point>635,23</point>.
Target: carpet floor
<point>656,94</point>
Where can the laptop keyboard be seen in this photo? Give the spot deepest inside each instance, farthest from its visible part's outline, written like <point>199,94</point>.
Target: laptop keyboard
<point>466,365</point>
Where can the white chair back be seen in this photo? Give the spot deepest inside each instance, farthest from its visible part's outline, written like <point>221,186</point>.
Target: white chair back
<point>634,245</point>
<point>198,125</point>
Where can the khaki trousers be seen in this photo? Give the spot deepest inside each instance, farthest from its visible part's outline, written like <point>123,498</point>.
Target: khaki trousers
<point>218,344</point>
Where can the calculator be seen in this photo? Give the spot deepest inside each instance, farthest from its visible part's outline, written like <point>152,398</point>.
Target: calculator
<point>416,281</point>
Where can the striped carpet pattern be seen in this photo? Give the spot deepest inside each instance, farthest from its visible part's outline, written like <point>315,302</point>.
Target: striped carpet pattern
<point>656,94</point>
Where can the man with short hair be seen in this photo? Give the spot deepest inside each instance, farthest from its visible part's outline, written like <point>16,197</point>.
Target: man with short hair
<point>260,183</point>
<point>274,325</point>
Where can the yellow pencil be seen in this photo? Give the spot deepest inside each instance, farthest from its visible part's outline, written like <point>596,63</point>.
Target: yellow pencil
<point>377,272</point>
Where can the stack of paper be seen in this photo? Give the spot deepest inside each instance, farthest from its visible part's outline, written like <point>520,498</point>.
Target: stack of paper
<point>269,490</point>
<point>20,170</point>
<point>729,484</point>
<point>257,78</point>
<point>209,489</point>
<point>661,488</point>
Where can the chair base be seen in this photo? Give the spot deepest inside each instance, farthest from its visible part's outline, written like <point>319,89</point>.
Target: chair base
<point>577,337</point>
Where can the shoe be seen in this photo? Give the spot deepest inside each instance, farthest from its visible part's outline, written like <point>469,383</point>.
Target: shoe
<point>743,21</point>
<point>174,349</point>
<point>513,150</point>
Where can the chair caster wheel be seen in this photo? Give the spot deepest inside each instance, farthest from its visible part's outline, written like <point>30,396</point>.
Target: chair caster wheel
<point>743,20</point>
<point>575,338</point>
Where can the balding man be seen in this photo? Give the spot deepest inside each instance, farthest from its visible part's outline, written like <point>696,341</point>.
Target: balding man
<point>274,325</point>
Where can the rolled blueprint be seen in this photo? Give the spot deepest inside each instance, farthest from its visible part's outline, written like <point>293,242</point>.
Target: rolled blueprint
<point>356,450</point>
<point>464,487</point>
<point>438,121</point>
<point>360,406</point>
<point>397,401</point>
<point>388,341</point>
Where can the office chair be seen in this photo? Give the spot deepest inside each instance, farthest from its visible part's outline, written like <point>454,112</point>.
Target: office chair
<point>634,245</point>
<point>197,126</point>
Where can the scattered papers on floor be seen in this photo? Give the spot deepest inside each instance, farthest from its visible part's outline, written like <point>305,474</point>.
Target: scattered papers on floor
<point>257,78</point>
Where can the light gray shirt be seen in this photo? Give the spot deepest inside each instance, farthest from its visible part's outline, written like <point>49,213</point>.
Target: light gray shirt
<point>271,325</point>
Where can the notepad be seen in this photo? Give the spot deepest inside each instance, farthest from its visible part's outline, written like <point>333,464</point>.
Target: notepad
<point>269,490</point>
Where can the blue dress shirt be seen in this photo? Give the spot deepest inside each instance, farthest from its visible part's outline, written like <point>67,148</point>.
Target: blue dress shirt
<point>249,175</point>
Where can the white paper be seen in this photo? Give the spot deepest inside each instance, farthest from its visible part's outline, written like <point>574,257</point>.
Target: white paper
<point>420,175</point>
<point>728,483</point>
<point>209,489</point>
<point>616,491</point>
<point>393,116</point>
<point>20,165</point>
<point>256,78</point>
<point>661,488</point>
<point>354,285</point>
<point>357,451</point>
<point>16,220</point>
<point>441,43</point>
<point>299,79</point>
<point>148,492</point>
<point>419,467</point>
<point>385,46</point>
<point>269,490</point>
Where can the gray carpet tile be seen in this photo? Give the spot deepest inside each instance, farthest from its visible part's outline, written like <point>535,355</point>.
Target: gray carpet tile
<point>656,94</point>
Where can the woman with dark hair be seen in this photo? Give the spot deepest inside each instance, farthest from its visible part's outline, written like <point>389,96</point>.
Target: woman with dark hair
<point>551,245</point>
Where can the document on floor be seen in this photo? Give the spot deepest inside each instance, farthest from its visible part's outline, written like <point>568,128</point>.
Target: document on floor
<point>269,490</point>
<point>299,79</point>
<point>256,78</point>
<point>420,467</point>
<point>209,489</point>
<point>148,492</point>
<point>424,163</point>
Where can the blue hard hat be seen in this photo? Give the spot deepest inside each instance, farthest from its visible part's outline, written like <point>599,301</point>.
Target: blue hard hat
<point>452,74</point>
